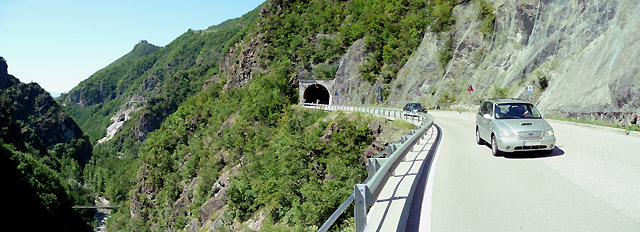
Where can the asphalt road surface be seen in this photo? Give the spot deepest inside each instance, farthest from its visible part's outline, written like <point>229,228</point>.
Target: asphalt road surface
<point>590,182</point>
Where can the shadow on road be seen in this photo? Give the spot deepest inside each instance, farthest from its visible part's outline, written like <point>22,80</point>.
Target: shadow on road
<point>534,154</point>
<point>530,154</point>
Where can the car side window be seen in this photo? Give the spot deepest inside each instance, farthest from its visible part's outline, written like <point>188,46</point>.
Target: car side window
<point>484,109</point>
<point>489,109</point>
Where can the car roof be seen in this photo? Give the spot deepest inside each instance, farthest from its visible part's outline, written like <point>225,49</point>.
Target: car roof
<point>506,100</point>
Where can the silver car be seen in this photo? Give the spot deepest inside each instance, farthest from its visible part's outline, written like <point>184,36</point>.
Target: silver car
<point>513,125</point>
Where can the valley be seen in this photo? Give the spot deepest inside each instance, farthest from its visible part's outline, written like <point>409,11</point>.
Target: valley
<point>206,132</point>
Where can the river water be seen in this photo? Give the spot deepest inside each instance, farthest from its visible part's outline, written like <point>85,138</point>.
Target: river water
<point>102,214</point>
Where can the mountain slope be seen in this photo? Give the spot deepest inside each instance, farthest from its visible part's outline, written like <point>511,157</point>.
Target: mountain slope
<point>149,83</point>
<point>224,153</point>
<point>575,55</point>
<point>33,122</point>
<point>235,155</point>
<point>43,153</point>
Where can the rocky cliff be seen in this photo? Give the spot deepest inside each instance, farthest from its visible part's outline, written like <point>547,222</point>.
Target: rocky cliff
<point>43,153</point>
<point>579,56</point>
<point>33,122</point>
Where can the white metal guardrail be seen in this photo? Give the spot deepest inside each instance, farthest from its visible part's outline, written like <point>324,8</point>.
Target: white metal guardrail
<point>365,194</point>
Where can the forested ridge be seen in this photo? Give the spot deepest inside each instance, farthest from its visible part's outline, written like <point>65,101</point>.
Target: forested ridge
<point>153,79</point>
<point>43,153</point>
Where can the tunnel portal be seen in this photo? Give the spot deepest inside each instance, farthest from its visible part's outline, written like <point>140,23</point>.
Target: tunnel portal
<point>316,93</point>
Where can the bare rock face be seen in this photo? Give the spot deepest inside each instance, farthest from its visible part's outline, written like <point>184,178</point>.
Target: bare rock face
<point>419,74</point>
<point>352,88</point>
<point>211,212</point>
<point>580,57</point>
<point>603,75</point>
<point>144,192</point>
<point>242,61</point>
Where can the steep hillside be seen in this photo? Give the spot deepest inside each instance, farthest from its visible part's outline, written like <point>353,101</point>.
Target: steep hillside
<point>33,122</point>
<point>236,155</point>
<point>43,153</point>
<point>146,85</point>
<point>578,56</point>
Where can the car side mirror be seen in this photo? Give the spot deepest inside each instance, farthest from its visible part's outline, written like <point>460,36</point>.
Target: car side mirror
<point>487,116</point>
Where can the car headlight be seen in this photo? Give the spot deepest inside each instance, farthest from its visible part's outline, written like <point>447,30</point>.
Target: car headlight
<point>549,132</point>
<point>506,134</point>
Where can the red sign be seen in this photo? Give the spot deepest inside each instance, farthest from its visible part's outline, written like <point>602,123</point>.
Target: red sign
<point>470,89</point>
<point>419,93</point>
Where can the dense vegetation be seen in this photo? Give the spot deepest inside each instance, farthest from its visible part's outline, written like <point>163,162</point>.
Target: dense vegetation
<point>301,177</point>
<point>163,165</point>
<point>249,128</point>
<point>96,99</point>
<point>43,152</point>
<point>163,77</point>
<point>38,197</point>
<point>218,129</point>
<point>392,31</point>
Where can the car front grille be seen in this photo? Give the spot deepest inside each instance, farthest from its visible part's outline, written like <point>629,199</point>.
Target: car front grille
<point>521,148</point>
<point>530,134</point>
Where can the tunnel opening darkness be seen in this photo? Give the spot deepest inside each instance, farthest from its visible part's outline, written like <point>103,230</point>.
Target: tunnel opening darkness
<point>316,94</point>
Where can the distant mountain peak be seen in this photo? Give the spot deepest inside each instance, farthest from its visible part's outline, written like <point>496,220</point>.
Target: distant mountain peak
<point>143,48</point>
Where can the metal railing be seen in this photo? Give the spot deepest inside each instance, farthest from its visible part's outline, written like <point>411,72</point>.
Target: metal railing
<point>365,194</point>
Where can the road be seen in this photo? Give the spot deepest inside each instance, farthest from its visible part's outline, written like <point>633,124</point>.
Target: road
<point>591,182</point>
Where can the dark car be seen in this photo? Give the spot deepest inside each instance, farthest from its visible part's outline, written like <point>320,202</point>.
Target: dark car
<point>414,108</point>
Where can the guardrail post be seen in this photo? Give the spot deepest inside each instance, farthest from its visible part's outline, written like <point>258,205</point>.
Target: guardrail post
<point>372,167</point>
<point>362,194</point>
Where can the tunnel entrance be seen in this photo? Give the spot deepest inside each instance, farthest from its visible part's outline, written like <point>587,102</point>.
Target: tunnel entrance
<point>316,94</point>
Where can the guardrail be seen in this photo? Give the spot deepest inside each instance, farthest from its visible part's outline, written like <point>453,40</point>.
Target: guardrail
<point>365,194</point>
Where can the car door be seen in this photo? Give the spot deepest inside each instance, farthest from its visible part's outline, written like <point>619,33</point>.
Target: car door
<point>483,123</point>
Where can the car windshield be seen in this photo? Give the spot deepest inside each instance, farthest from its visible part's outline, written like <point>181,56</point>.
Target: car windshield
<point>516,111</point>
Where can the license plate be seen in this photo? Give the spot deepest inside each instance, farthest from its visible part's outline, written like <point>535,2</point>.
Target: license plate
<point>532,143</point>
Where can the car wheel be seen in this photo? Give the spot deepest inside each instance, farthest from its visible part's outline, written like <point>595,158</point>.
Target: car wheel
<point>494,147</point>
<point>479,140</point>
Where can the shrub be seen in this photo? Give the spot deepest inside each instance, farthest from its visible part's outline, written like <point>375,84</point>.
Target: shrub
<point>446,53</point>
<point>500,92</point>
<point>487,17</point>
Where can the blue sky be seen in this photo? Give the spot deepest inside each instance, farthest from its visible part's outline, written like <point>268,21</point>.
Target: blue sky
<point>60,43</point>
